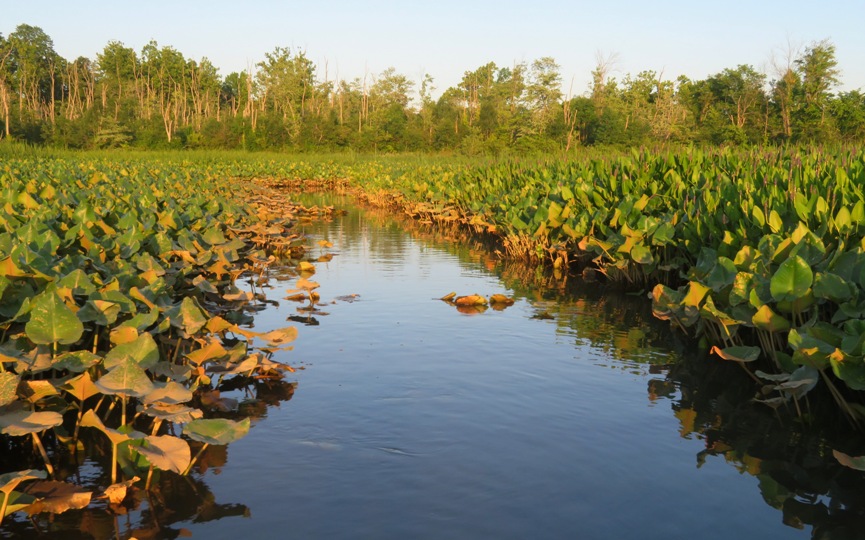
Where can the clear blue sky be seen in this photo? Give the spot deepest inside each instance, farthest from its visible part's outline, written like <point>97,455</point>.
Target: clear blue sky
<point>445,38</point>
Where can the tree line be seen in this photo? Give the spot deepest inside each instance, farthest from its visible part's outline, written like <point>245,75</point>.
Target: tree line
<point>158,98</point>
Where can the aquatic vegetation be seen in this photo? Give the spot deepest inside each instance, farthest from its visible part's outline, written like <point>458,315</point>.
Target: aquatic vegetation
<point>741,248</point>
<point>121,312</point>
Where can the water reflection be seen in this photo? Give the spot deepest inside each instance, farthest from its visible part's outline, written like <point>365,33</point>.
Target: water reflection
<point>789,457</point>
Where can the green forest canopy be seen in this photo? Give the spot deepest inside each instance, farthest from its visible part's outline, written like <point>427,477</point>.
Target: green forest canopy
<point>157,98</point>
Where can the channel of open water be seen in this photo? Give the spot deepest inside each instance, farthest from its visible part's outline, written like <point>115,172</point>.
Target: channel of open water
<point>571,414</point>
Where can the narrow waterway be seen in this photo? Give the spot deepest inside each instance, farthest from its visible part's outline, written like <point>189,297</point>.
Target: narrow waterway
<point>557,417</point>
<point>571,414</point>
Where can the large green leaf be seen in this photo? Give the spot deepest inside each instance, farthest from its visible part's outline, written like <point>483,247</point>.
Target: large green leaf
<point>166,453</point>
<point>768,320</point>
<point>188,316</point>
<point>143,351</point>
<point>127,378</point>
<point>792,280</point>
<point>216,430</point>
<point>738,353</point>
<point>51,321</point>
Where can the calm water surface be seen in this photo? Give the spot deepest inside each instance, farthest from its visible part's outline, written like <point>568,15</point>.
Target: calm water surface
<point>413,420</point>
<point>571,414</point>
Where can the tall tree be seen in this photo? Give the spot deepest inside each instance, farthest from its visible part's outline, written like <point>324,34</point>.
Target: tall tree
<point>818,70</point>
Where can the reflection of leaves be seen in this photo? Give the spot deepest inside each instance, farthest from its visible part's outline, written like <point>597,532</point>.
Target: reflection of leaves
<point>307,320</point>
<point>472,310</point>
<point>687,419</point>
<point>772,491</point>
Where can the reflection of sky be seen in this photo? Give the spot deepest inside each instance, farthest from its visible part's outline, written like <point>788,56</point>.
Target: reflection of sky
<point>414,420</point>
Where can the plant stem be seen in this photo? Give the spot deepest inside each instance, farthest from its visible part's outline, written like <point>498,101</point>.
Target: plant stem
<point>5,503</point>
<point>198,455</point>
<point>149,477</point>
<point>38,443</point>
<point>113,462</point>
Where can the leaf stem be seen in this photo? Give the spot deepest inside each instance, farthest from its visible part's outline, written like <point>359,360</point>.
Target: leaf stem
<point>198,455</point>
<point>38,444</point>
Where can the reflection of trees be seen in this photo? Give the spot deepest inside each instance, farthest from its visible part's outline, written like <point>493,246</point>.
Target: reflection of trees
<point>790,457</point>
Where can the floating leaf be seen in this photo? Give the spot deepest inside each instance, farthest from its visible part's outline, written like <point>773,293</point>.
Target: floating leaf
<point>216,430</point>
<point>51,321</point>
<point>306,267</point>
<point>470,300</point>
<point>280,336</point>
<point>116,493</point>
<point>502,300</point>
<point>449,297</point>
<point>56,497</point>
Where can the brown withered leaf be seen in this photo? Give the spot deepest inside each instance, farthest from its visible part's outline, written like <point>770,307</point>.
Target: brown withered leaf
<point>55,497</point>
<point>115,493</point>
<point>501,299</point>
<point>470,300</point>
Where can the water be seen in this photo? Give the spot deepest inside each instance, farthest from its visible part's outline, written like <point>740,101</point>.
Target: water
<point>571,414</point>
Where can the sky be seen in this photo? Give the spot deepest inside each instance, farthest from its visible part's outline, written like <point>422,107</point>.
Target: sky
<point>446,38</point>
